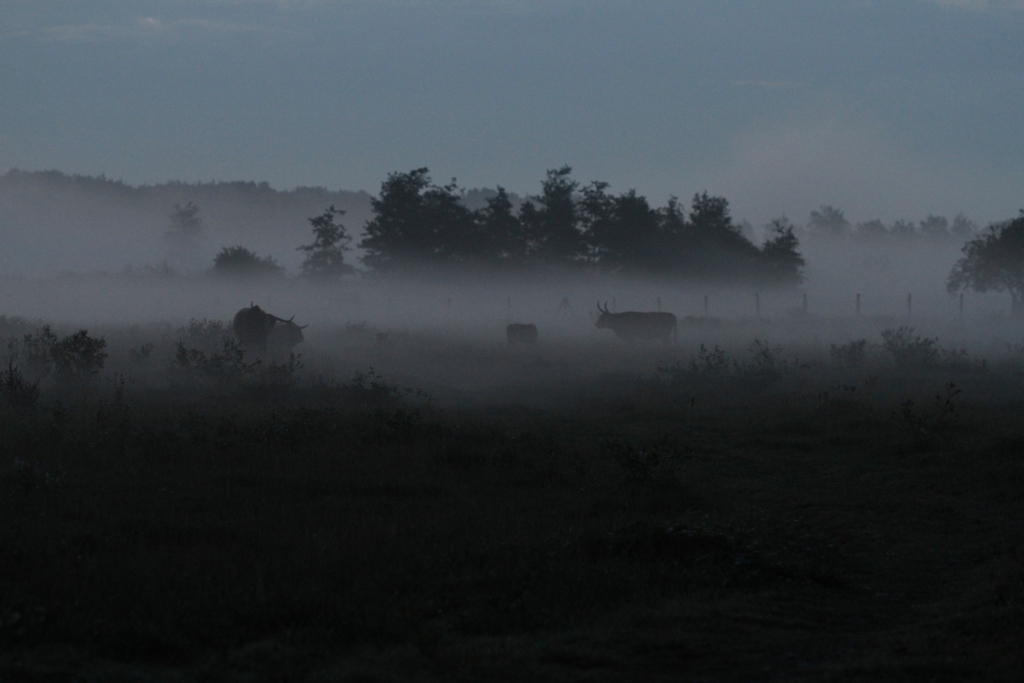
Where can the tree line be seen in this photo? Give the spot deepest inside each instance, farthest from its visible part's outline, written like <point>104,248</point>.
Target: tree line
<point>419,225</point>
<point>828,222</point>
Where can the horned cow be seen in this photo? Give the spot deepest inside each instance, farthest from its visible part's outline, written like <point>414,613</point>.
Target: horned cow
<point>521,333</point>
<point>638,325</point>
<point>264,333</point>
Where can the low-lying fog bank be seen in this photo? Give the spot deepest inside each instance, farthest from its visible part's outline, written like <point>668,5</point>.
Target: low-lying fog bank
<point>458,355</point>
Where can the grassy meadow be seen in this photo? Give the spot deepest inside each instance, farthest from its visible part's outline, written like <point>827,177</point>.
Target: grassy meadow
<point>750,503</point>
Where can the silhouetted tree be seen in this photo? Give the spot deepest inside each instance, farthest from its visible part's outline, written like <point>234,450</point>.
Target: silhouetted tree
<point>417,223</point>
<point>934,227</point>
<point>677,243</point>
<point>459,240</point>
<point>963,227</point>
<point>501,231</point>
<point>782,261</point>
<point>396,232</point>
<point>828,221</point>
<point>903,230</point>
<point>325,257</point>
<point>871,230</point>
<point>622,232</point>
<point>240,262</point>
<point>718,249</point>
<point>184,233</point>
<point>551,220</point>
<point>185,224</point>
<point>993,261</point>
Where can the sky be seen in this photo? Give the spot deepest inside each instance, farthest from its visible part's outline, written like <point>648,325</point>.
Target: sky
<point>883,108</point>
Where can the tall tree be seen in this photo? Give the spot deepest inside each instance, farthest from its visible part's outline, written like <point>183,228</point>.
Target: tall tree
<point>458,239</point>
<point>325,257</point>
<point>934,227</point>
<point>501,231</point>
<point>185,224</point>
<point>828,221</point>
<point>398,232</point>
<point>873,230</point>
<point>552,222</point>
<point>781,256</point>
<point>719,250</point>
<point>184,233</point>
<point>963,227</point>
<point>903,230</point>
<point>993,261</point>
<point>628,237</point>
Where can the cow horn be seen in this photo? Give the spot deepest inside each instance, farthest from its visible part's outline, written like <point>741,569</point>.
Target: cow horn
<point>302,327</point>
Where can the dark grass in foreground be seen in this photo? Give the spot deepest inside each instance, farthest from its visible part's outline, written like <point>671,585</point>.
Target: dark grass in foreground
<point>707,524</point>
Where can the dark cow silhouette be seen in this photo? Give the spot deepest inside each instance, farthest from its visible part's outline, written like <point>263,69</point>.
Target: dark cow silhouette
<point>265,333</point>
<point>520,333</point>
<point>637,325</point>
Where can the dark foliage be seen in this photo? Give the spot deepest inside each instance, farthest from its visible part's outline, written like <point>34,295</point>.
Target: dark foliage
<point>325,257</point>
<point>419,224</point>
<point>782,261</point>
<point>238,261</point>
<point>185,224</point>
<point>993,262</point>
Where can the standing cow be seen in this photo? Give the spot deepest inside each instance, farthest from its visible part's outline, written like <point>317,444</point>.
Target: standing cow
<point>520,333</point>
<point>634,325</point>
<point>264,333</point>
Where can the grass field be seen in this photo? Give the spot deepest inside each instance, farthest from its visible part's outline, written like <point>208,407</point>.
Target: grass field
<point>421,507</point>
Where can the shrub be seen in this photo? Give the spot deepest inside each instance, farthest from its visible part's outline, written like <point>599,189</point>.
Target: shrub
<point>709,361</point>
<point>849,355</point>
<point>13,387</point>
<point>78,357</point>
<point>238,261</point>
<point>34,352</point>
<point>765,364</point>
<point>226,367</point>
<point>910,350</point>
<point>206,335</point>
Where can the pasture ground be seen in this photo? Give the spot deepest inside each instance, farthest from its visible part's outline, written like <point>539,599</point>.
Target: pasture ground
<point>467,511</point>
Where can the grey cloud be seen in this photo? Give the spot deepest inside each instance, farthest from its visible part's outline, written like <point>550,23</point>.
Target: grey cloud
<point>981,5</point>
<point>770,85</point>
<point>142,27</point>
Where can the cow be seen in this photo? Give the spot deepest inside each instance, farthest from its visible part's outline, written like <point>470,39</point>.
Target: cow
<point>259,331</point>
<point>520,333</point>
<point>636,325</point>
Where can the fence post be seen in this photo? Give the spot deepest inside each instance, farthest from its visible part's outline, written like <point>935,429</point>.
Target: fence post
<point>757,305</point>
<point>858,304</point>
<point>910,305</point>
<point>805,303</point>
<point>961,306</point>
<point>705,305</point>
<point>659,303</point>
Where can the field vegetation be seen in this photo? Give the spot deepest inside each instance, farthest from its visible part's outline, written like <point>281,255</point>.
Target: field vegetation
<point>421,505</point>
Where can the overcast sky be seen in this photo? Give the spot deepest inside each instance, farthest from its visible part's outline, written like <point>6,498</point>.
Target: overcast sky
<point>887,109</point>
